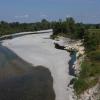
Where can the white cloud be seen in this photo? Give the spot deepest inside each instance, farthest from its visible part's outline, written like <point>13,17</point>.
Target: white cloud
<point>42,15</point>
<point>68,16</point>
<point>22,16</point>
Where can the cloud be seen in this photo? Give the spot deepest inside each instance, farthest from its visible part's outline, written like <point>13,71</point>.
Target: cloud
<point>22,16</point>
<point>42,15</point>
<point>68,16</point>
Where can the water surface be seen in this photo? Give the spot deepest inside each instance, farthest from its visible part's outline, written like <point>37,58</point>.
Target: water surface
<point>22,81</point>
<point>71,63</point>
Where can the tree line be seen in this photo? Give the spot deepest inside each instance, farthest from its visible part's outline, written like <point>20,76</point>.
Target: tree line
<point>15,27</point>
<point>67,27</point>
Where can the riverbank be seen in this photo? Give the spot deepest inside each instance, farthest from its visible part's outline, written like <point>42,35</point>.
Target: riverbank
<point>76,50</point>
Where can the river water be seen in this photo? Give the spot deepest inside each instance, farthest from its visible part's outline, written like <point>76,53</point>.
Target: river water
<point>71,63</point>
<point>39,49</point>
<point>22,81</point>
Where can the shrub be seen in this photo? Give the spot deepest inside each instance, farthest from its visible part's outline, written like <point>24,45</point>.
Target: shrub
<point>89,69</point>
<point>80,85</point>
<point>94,55</point>
<point>88,77</point>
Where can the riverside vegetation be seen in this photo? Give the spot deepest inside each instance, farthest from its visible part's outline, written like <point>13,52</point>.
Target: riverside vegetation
<point>90,68</point>
<point>89,75</point>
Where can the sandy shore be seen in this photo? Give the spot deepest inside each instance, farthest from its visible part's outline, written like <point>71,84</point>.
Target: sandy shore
<point>38,49</point>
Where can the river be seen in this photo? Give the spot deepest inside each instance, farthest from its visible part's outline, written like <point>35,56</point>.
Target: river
<point>39,49</point>
<point>20,80</point>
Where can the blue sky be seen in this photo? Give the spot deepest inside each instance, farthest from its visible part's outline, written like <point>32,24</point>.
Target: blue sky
<point>87,11</point>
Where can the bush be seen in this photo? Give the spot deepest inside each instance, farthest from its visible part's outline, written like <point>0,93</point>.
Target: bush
<point>88,77</point>
<point>80,85</point>
<point>53,36</point>
<point>94,55</point>
<point>89,69</point>
<point>91,41</point>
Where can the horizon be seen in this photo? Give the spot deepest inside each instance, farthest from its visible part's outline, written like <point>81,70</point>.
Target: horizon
<point>30,11</point>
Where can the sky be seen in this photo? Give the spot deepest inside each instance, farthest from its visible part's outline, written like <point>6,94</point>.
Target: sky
<point>86,11</point>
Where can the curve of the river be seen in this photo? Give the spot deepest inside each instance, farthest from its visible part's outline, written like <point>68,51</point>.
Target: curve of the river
<point>38,49</point>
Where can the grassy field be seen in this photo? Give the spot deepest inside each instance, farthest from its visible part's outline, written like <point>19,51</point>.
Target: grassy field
<point>94,30</point>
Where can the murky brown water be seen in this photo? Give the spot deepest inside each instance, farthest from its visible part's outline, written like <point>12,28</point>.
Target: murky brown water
<point>21,81</point>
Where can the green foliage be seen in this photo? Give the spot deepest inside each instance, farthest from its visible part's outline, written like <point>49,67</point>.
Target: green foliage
<point>66,26</point>
<point>69,28</point>
<point>89,69</point>
<point>88,77</point>
<point>53,36</point>
<point>94,55</point>
<point>80,31</point>
<point>94,30</point>
<point>96,33</point>
<point>91,41</point>
<point>15,27</point>
<point>80,85</point>
<point>70,25</point>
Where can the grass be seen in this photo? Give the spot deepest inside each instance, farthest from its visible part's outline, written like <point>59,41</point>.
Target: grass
<point>94,55</point>
<point>94,30</point>
<point>96,33</point>
<point>89,69</point>
<point>80,85</point>
<point>89,74</point>
<point>88,77</point>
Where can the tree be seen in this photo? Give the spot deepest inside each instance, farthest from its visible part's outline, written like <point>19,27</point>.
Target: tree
<point>45,24</point>
<point>70,25</point>
<point>80,31</point>
<point>90,41</point>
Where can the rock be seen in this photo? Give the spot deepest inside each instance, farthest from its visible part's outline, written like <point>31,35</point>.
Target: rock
<point>91,94</point>
<point>57,46</point>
